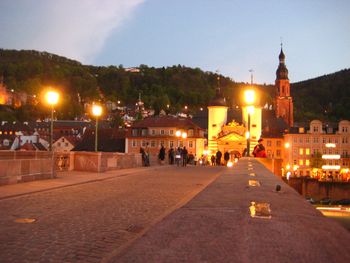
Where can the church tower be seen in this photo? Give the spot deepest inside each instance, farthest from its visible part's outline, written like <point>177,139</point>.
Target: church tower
<point>284,102</point>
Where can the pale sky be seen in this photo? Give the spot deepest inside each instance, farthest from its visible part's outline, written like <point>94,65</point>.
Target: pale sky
<point>231,36</point>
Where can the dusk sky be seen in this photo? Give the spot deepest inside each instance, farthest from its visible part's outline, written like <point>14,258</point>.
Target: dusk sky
<point>230,36</point>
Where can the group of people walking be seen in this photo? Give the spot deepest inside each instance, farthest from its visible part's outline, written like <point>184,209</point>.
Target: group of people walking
<point>181,157</point>
<point>178,156</point>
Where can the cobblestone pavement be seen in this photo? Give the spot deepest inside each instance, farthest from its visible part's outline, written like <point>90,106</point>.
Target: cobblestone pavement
<point>90,222</point>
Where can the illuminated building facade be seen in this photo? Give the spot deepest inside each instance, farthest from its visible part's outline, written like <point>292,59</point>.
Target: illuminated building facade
<point>318,150</point>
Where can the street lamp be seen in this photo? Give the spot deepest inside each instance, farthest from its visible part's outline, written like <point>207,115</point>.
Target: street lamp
<point>96,111</point>
<point>249,97</point>
<point>52,98</point>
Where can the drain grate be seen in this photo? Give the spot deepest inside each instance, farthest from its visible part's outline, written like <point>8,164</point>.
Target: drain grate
<point>25,220</point>
<point>260,210</point>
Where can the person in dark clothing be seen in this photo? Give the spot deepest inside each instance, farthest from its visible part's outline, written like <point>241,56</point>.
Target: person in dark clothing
<point>143,156</point>
<point>226,157</point>
<point>184,156</point>
<point>212,159</point>
<point>161,154</point>
<point>171,155</point>
<point>218,157</point>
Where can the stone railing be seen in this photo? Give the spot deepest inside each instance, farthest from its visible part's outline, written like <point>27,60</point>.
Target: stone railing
<point>24,166</point>
<point>103,161</point>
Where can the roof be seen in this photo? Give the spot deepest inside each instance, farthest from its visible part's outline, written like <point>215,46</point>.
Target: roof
<point>165,121</point>
<point>218,100</point>
<point>109,140</point>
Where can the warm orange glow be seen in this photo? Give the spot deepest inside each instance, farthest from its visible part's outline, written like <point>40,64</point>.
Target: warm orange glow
<point>250,110</point>
<point>331,156</point>
<point>184,135</point>
<point>178,133</point>
<point>249,96</point>
<point>287,145</point>
<point>52,97</point>
<point>96,110</point>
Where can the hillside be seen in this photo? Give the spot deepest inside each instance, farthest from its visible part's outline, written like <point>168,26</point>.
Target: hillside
<point>326,97</point>
<point>32,71</point>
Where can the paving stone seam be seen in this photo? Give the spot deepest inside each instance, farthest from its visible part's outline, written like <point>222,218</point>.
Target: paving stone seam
<point>119,251</point>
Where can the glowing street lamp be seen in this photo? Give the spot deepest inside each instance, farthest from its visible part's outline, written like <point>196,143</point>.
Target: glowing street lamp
<point>96,111</point>
<point>249,98</point>
<point>52,98</point>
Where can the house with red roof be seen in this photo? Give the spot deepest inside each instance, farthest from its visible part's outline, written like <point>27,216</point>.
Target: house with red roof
<point>169,131</point>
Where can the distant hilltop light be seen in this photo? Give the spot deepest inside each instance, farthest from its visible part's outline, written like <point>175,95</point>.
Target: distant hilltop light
<point>134,70</point>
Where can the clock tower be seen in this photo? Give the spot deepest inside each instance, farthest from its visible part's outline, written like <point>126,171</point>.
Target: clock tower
<point>283,101</point>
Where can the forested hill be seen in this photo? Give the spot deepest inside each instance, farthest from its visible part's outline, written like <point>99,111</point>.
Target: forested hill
<point>31,71</point>
<point>326,97</point>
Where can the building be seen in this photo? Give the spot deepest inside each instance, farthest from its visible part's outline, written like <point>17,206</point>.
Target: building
<point>283,100</point>
<point>169,131</point>
<point>320,150</point>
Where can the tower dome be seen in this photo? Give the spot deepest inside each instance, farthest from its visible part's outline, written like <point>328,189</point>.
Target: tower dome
<point>218,100</point>
<point>282,71</point>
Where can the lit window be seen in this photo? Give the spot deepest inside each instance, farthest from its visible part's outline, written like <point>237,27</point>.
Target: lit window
<point>301,162</point>
<point>307,151</point>
<point>190,144</point>
<point>301,151</point>
<point>268,143</point>
<point>278,153</point>
<point>307,162</point>
<point>278,143</point>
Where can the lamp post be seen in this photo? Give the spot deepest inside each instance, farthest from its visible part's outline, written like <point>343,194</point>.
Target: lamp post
<point>52,98</point>
<point>249,97</point>
<point>96,111</point>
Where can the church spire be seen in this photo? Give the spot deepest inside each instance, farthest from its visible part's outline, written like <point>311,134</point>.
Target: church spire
<point>282,71</point>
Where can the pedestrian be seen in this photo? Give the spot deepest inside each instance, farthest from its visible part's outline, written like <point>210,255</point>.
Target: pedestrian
<point>171,155</point>
<point>147,156</point>
<point>226,157</point>
<point>259,150</point>
<point>161,154</point>
<point>178,156</point>
<point>184,156</point>
<point>212,159</point>
<point>195,159</point>
<point>218,157</point>
<point>143,156</point>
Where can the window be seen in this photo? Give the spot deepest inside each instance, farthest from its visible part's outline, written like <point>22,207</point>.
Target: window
<point>278,143</point>
<point>301,162</point>
<point>171,132</point>
<point>315,139</point>
<point>295,151</point>
<point>300,140</point>
<point>295,139</point>
<point>345,129</point>
<point>143,143</point>
<point>162,143</point>
<point>294,162</point>
<point>315,128</point>
<point>66,144</point>
<point>307,151</point>
<point>153,143</point>
<point>307,140</point>
<point>180,143</point>
<point>301,151</point>
<point>171,144</point>
<point>162,132</point>
<point>324,140</point>
<point>144,132</point>
<point>153,132</point>
<point>134,143</point>
<point>134,132</point>
<point>190,144</point>
<point>307,162</point>
<point>190,132</point>
<point>268,143</point>
<point>278,153</point>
